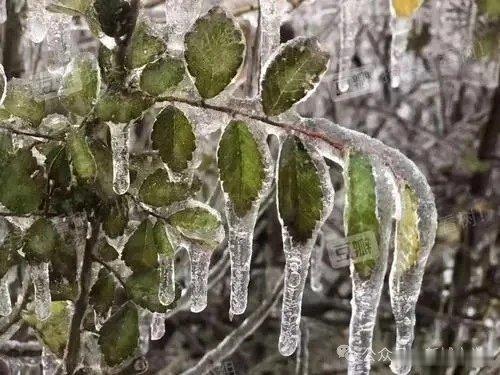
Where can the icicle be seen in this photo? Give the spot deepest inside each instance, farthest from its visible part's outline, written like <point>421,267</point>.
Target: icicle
<point>40,277</point>
<point>180,15</point>
<point>317,265</point>
<point>270,29</point>
<point>3,84</point>
<point>50,363</point>
<point>157,326</point>
<point>5,302</point>
<point>166,289</point>
<point>200,262</point>
<point>349,26</point>
<point>145,318</point>
<point>59,42</point>
<point>3,11</point>
<point>119,145</point>
<point>400,28</point>
<point>38,20</point>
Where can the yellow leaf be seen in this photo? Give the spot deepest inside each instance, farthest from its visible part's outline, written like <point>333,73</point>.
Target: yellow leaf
<point>406,8</point>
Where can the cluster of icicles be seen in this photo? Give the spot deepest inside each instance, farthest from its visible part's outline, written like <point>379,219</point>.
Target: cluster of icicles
<point>404,287</point>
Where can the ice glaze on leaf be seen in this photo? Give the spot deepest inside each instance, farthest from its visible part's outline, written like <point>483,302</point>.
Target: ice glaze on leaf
<point>163,243</point>
<point>102,293</point>
<point>103,157</point>
<point>162,75</point>
<point>197,224</point>
<point>144,46</point>
<point>406,8</point>
<point>143,289</point>
<point>140,252</point>
<point>82,159</point>
<point>407,232</point>
<point>12,242</point>
<point>21,102</point>
<point>300,196</point>
<point>214,52</point>
<point>69,7</point>
<point>119,335</point>
<point>40,241</point>
<point>292,74</point>
<point>120,108</point>
<point>360,214</point>
<point>115,216</point>
<point>57,166</point>
<point>158,191</point>
<point>241,166</point>
<point>80,85</point>
<point>173,137</point>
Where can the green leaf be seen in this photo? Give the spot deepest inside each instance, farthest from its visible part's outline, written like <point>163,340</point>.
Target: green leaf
<point>102,293</point>
<point>115,216</point>
<point>214,51</point>
<point>162,75</point>
<point>41,241</point>
<point>145,45</point>
<point>5,147</point>
<point>140,252</point>
<point>54,331</point>
<point>163,243</point>
<point>361,206</point>
<point>241,166</point>
<point>407,239</point>
<point>197,224</point>
<point>9,246</point>
<point>120,108</point>
<point>80,85</point>
<point>490,8</point>
<point>143,289</point>
<point>69,7</point>
<point>158,191</point>
<point>119,335</point>
<point>82,159</point>
<point>292,74</point>
<point>103,157</point>
<point>106,252</point>
<point>57,166</point>
<point>21,102</point>
<point>300,196</point>
<point>173,137</point>
<point>19,192</point>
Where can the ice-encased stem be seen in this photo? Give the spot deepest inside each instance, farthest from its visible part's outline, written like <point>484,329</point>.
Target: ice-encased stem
<point>270,22</point>
<point>119,145</point>
<point>166,289</point>
<point>40,278</point>
<point>38,20</point>
<point>180,15</point>
<point>3,11</point>
<point>317,266</point>
<point>157,326</point>
<point>5,302</point>
<point>349,26</point>
<point>200,263</point>
<point>400,29</point>
<point>59,42</point>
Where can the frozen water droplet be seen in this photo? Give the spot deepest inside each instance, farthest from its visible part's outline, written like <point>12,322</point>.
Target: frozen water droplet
<point>157,326</point>
<point>166,290</point>
<point>200,263</point>
<point>37,20</point>
<point>40,278</point>
<point>59,42</point>
<point>5,302</point>
<point>119,145</point>
<point>3,11</point>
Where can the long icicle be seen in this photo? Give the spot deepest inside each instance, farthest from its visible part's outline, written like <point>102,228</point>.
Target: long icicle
<point>40,277</point>
<point>349,27</point>
<point>3,11</point>
<point>59,42</point>
<point>157,326</point>
<point>119,145</point>
<point>38,20</point>
<point>166,289</point>
<point>5,302</point>
<point>200,263</point>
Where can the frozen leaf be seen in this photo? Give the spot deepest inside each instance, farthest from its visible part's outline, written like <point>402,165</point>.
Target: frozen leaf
<point>53,331</point>
<point>490,7</point>
<point>69,7</point>
<point>361,205</point>
<point>241,166</point>
<point>121,108</point>
<point>162,75</point>
<point>84,165</point>
<point>57,166</point>
<point>145,46</point>
<point>300,197</point>
<point>407,240</point>
<point>80,85</point>
<point>214,52</point>
<point>106,252</point>
<point>173,137</point>
<point>103,158</point>
<point>21,102</point>
<point>140,252</point>
<point>40,241</point>
<point>12,241</point>
<point>5,147</point>
<point>102,293</point>
<point>119,335</point>
<point>158,191</point>
<point>197,223</point>
<point>294,72</point>
<point>115,216</point>
<point>163,243</point>
<point>143,289</point>
<point>406,8</point>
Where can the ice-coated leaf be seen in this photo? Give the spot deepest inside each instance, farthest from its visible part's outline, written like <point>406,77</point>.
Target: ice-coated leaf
<point>54,331</point>
<point>163,243</point>
<point>407,232</point>
<point>57,166</point>
<point>241,166</point>
<point>173,137</point>
<point>360,214</point>
<point>115,216</point>
<point>300,196</point>
<point>21,102</point>
<point>3,84</point>
<point>120,108</point>
<point>119,335</point>
<point>80,85</point>
<point>19,192</point>
<point>140,252</point>
<point>5,147</point>
<point>143,289</point>
<point>162,75</point>
<point>197,223</point>
<point>106,252</point>
<point>82,159</point>
<point>40,241</point>
<point>406,8</point>
<point>102,293</point>
<point>158,191</point>
<point>294,72</point>
<point>214,52</point>
<point>103,158</point>
<point>145,46</point>
<point>9,246</point>
<point>69,7</point>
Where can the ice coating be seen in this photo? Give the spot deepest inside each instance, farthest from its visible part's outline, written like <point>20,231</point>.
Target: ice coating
<point>59,42</point>
<point>3,11</point>
<point>5,302</point>
<point>3,87</point>
<point>166,289</point>
<point>400,29</point>
<point>37,20</point>
<point>40,278</point>
<point>50,362</point>
<point>297,256</point>
<point>270,29</point>
<point>180,15</point>
<point>349,27</point>
<point>200,263</point>
<point>119,145</point>
<point>316,266</point>
<point>157,326</point>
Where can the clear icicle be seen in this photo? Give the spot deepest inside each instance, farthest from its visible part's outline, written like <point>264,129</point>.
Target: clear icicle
<point>180,15</point>
<point>349,26</point>
<point>119,145</point>
<point>317,266</point>
<point>166,289</point>
<point>38,20</point>
<point>59,42</point>
<point>400,29</point>
<point>200,263</point>
<point>157,326</point>
<point>3,84</point>
<point>40,278</point>
<point>5,302</point>
<point>270,25</point>
<point>3,11</point>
